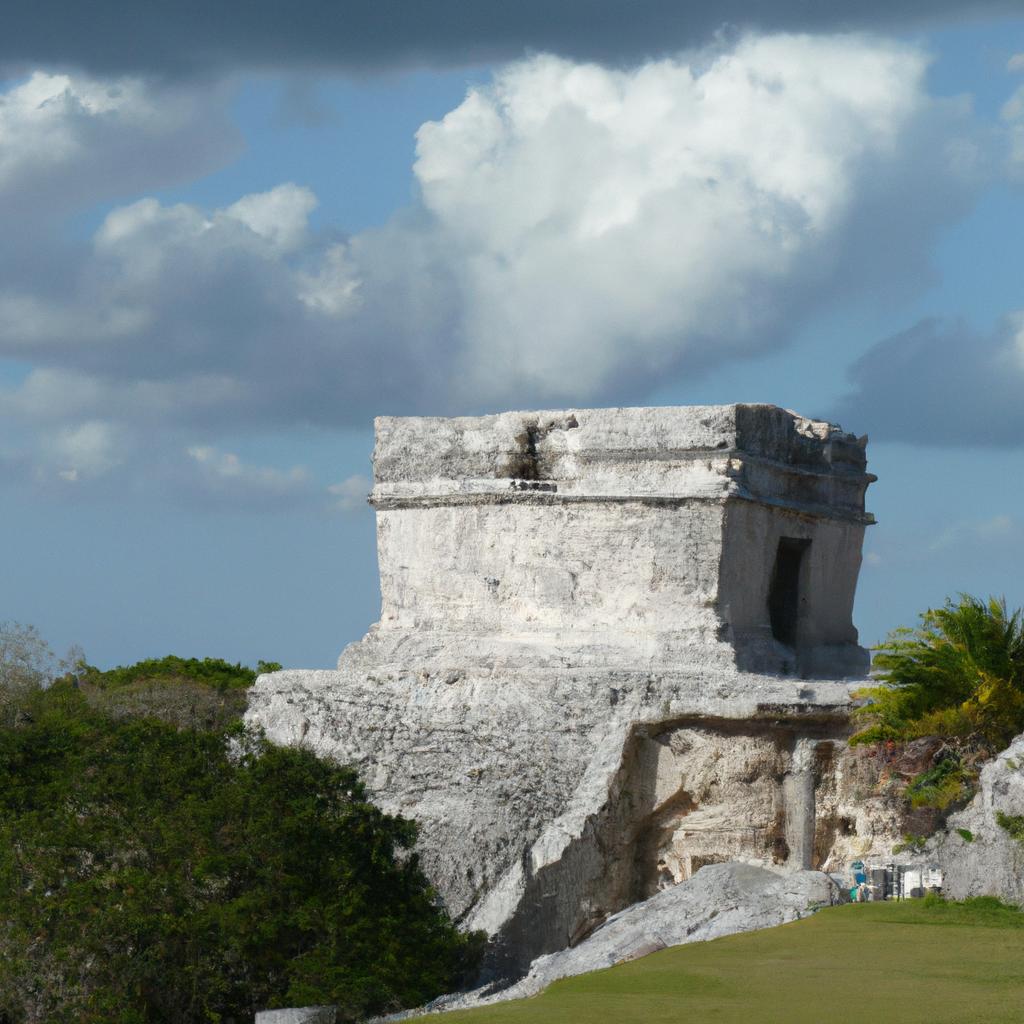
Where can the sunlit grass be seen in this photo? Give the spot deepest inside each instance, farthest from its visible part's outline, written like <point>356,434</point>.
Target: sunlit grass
<point>916,962</point>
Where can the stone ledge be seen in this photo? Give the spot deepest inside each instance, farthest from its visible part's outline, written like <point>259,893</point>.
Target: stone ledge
<point>616,454</point>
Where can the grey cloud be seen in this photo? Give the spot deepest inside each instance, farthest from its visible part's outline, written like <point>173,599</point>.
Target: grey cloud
<point>69,141</point>
<point>942,383</point>
<point>193,36</point>
<point>190,321</point>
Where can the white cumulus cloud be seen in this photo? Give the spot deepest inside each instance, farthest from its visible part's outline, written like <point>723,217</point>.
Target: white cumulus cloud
<point>581,233</point>
<point>280,215</point>
<point>603,221</point>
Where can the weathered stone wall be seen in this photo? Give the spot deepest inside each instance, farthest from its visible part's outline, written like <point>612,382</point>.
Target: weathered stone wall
<point>622,571</point>
<point>756,451</point>
<point>826,643</point>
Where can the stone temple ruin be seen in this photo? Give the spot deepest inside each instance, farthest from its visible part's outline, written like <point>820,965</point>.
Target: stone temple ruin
<point>615,645</point>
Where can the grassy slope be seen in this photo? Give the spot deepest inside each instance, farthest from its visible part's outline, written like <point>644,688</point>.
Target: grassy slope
<point>902,963</point>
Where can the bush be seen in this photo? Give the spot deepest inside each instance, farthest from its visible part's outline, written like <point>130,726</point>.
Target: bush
<point>212,672</point>
<point>154,873</point>
<point>911,843</point>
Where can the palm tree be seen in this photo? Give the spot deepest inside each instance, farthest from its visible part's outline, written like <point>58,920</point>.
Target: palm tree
<point>959,674</point>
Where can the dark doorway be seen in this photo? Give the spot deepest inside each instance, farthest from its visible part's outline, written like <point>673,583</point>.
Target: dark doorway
<point>784,593</point>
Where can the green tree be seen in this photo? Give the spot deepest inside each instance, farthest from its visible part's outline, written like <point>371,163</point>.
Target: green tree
<point>203,693</point>
<point>212,672</point>
<point>153,873</point>
<point>959,674</point>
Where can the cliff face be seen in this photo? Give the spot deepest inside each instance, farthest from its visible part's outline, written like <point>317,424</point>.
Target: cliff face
<point>612,649</point>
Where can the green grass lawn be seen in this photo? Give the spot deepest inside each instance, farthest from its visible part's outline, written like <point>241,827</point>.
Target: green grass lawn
<point>892,963</point>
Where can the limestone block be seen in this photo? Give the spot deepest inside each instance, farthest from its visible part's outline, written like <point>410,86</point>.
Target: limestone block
<point>299,1015</point>
<point>652,528</point>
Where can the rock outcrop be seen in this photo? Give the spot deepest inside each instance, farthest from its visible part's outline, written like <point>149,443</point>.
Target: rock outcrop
<point>978,855</point>
<point>721,899</point>
<point>615,645</point>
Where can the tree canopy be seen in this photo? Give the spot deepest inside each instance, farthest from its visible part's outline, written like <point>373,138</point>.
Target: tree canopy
<point>205,693</point>
<point>152,871</point>
<point>212,672</point>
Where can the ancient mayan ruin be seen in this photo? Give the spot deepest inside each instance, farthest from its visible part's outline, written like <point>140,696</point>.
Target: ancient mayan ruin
<point>614,645</point>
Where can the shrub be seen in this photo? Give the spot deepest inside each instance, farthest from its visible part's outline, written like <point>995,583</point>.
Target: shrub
<point>150,873</point>
<point>911,843</point>
<point>212,672</point>
<point>196,693</point>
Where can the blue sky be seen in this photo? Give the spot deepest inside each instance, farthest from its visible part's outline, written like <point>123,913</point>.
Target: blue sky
<point>219,262</point>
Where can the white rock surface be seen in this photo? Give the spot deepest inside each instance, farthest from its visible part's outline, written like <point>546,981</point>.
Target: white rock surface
<point>611,650</point>
<point>992,862</point>
<point>720,899</point>
<point>299,1015</point>
<point>650,535</point>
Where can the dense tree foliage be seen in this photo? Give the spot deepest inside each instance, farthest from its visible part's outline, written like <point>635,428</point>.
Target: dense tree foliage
<point>151,872</point>
<point>212,672</point>
<point>959,675</point>
<point>204,693</point>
